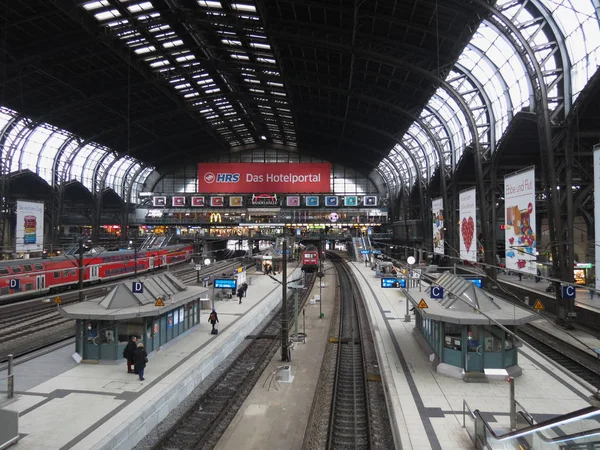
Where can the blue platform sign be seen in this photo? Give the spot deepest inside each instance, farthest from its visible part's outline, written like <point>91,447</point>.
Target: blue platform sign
<point>137,287</point>
<point>393,283</point>
<point>224,283</point>
<point>365,252</point>
<point>437,292</point>
<point>475,280</point>
<point>377,252</point>
<point>568,292</point>
<point>15,283</point>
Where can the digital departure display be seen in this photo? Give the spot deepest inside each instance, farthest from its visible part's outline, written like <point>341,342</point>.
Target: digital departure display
<point>393,283</point>
<point>225,283</point>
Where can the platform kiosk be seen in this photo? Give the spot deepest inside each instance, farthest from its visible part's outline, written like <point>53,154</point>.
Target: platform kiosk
<point>461,341</point>
<point>155,309</point>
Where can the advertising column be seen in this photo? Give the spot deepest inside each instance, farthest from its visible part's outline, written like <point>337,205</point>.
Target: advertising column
<point>30,227</point>
<point>597,211</point>
<point>519,218</point>
<point>437,208</point>
<point>468,225</point>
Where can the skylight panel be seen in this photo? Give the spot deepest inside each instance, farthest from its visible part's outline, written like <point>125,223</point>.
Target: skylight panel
<point>243,7</point>
<point>211,91</point>
<point>95,5</point>
<point>240,56</point>
<point>231,42</point>
<point>110,14</point>
<point>210,4</point>
<point>143,50</point>
<point>140,7</point>
<point>159,63</point>
<point>171,44</point>
<point>259,45</point>
<point>266,60</point>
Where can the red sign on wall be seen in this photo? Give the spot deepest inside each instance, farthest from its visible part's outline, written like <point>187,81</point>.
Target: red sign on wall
<point>271,177</point>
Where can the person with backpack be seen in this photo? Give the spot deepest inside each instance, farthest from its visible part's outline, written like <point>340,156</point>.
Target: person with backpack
<point>240,293</point>
<point>140,358</point>
<point>213,319</point>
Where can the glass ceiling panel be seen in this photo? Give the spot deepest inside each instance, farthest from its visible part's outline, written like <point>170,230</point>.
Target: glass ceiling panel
<point>165,51</point>
<point>48,154</point>
<point>579,23</point>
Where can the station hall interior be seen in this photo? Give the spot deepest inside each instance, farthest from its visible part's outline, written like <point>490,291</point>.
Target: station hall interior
<point>405,148</point>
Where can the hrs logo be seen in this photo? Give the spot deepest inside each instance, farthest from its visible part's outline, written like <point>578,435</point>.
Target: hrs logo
<point>209,177</point>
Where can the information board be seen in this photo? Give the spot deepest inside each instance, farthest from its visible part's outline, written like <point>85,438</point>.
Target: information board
<point>225,283</point>
<point>393,283</point>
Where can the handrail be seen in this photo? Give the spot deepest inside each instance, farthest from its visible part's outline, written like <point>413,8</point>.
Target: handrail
<point>466,405</point>
<point>580,414</point>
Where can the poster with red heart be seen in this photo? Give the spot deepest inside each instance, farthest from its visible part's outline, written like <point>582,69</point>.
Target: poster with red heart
<point>519,218</point>
<point>468,225</point>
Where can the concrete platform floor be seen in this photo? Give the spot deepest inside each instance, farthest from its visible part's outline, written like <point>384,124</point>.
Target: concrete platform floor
<point>275,414</point>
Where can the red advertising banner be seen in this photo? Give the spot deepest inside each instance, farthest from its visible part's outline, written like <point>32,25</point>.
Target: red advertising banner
<point>295,178</point>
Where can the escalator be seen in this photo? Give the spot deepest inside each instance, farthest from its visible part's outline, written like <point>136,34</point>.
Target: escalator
<point>577,430</point>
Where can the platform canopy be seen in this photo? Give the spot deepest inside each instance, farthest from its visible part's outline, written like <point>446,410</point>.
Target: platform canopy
<point>466,304</point>
<point>122,303</point>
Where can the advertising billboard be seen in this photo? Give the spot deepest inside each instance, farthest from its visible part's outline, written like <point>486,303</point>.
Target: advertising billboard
<point>270,177</point>
<point>437,208</point>
<point>468,225</point>
<point>519,217</point>
<point>597,211</point>
<point>30,226</point>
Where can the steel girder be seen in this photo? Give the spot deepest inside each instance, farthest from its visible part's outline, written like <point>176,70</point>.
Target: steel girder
<point>559,251</point>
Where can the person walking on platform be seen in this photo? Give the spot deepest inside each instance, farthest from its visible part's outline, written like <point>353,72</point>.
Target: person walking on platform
<point>240,294</point>
<point>245,288</point>
<point>141,358</point>
<point>213,319</point>
<point>128,353</point>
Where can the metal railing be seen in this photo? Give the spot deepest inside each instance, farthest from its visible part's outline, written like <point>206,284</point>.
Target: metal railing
<point>578,427</point>
<point>10,378</point>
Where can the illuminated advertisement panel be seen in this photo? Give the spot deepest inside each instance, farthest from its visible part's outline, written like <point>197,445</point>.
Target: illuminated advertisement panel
<point>468,225</point>
<point>519,218</point>
<point>270,177</point>
<point>30,226</point>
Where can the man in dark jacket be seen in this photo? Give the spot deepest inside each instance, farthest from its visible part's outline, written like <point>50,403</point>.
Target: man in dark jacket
<point>128,353</point>
<point>140,357</point>
<point>245,288</point>
<point>213,319</point>
<point>240,293</point>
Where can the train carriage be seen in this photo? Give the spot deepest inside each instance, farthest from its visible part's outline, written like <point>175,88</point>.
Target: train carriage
<point>310,259</point>
<point>29,277</point>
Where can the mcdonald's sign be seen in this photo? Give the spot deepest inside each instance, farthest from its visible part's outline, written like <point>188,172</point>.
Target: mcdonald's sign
<point>215,218</point>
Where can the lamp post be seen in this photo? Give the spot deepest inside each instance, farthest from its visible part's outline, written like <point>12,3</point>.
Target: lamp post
<point>284,314</point>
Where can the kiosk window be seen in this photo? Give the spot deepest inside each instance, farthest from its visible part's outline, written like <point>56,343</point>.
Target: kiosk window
<point>453,336</point>
<point>492,339</point>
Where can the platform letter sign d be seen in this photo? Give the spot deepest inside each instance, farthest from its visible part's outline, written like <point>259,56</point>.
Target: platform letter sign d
<point>437,292</point>
<point>15,283</point>
<point>568,292</point>
<point>137,287</point>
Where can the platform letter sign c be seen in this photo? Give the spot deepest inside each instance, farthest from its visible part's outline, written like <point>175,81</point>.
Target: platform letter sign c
<point>15,283</point>
<point>568,292</point>
<point>437,292</point>
<point>137,287</point>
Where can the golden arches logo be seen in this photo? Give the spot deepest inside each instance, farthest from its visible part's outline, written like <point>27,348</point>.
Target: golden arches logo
<point>215,217</point>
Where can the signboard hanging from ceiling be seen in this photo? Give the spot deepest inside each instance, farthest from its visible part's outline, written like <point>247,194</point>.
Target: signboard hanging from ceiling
<point>271,177</point>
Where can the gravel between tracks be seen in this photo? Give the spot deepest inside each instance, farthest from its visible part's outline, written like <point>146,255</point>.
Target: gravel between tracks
<point>152,438</point>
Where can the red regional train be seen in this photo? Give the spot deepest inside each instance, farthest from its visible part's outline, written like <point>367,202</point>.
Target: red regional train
<point>57,274</point>
<point>310,259</point>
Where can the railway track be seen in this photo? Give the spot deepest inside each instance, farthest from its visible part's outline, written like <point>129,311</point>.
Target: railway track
<point>578,362</point>
<point>349,409</point>
<point>206,421</point>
